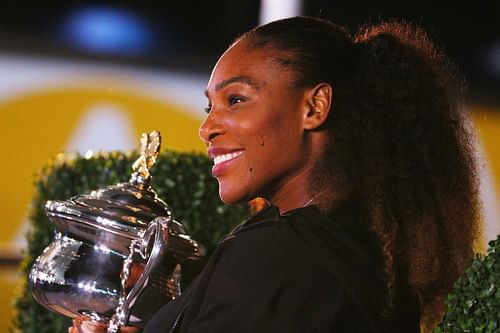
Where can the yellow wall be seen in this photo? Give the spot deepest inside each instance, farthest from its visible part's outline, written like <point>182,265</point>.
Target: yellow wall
<point>487,125</point>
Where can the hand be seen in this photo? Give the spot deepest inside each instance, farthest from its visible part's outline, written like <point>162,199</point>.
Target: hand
<point>84,325</point>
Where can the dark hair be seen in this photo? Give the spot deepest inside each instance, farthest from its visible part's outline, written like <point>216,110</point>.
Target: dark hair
<point>400,142</point>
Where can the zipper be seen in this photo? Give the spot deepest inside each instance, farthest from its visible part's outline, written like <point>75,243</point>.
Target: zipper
<point>177,321</point>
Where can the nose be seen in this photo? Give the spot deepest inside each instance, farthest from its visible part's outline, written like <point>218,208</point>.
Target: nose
<point>211,127</point>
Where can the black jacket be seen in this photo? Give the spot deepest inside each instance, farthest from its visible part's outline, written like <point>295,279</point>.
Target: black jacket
<point>296,272</point>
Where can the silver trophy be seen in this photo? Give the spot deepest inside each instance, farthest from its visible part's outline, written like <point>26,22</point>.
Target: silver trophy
<point>117,254</point>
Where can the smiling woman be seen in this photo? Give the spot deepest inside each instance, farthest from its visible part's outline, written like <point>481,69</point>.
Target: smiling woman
<point>360,147</point>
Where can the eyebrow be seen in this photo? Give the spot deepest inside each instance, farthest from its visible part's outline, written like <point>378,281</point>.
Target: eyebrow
<point>241,79</point>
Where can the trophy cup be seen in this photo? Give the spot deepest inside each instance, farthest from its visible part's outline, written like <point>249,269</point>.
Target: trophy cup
<point>117,253</point>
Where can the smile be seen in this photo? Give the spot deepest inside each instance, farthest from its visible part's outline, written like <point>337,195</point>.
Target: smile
<point>226,157</point>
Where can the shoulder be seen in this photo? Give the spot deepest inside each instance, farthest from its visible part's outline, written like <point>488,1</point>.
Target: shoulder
<point>274,243</point>
<point>299,240</point>
<point>267,277</point>
<point>300,250</point>
<point>266,254</point>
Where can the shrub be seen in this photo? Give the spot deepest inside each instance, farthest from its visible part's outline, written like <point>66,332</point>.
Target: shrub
<point>474,304</point>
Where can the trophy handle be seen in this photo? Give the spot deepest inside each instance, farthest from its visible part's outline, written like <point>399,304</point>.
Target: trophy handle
<point>153,247</point>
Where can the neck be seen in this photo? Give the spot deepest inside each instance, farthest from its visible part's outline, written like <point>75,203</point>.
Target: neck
<point>297,190</point>
<point>314,198</point>
<point>296,194</point>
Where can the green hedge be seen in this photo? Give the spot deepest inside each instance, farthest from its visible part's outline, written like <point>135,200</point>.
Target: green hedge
<point>183,180</point>
<point>474,304</point>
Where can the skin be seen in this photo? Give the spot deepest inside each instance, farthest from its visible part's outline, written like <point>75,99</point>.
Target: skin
<point>254,110</point>
<point>84,325</point>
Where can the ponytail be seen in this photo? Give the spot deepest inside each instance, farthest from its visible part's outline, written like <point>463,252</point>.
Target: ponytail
<point>421,185</point>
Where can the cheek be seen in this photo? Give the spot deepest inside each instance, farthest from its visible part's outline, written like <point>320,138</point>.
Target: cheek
<point>278,135</point>
<point>270,145</point>
<point>254,133</point>
<point>266,136</point>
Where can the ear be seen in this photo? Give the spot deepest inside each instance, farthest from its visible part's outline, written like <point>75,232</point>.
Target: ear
<point>318,105</point>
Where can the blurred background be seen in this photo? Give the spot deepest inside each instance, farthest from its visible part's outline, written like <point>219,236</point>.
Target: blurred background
<point>80,76</point>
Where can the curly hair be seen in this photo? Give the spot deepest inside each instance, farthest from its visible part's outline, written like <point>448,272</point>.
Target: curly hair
<point>400,143</point>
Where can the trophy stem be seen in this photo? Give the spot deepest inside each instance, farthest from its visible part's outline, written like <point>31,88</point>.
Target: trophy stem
<point>118,317</point>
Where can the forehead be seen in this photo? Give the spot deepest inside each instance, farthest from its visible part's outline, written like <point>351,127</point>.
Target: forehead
<point>257,67</point>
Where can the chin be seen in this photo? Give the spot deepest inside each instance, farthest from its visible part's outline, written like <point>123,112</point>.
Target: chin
<point>230,201</point>
<point>231,197</point>
<point>226,198</point>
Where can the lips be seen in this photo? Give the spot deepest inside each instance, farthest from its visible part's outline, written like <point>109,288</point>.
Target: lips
<point>223,159</point>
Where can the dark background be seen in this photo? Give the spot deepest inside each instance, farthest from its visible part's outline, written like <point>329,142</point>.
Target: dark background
<point>190,35</point>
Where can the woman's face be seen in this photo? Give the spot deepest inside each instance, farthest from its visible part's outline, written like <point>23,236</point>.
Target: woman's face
<point>254,129</point>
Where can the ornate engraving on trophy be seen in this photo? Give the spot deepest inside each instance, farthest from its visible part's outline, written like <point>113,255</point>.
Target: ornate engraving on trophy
<point>60,254</point>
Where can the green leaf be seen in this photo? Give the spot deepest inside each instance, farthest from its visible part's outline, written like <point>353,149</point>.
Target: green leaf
<point>474,304</point>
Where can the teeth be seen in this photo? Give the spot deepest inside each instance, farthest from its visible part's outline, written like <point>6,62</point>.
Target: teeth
<point>226,157</point>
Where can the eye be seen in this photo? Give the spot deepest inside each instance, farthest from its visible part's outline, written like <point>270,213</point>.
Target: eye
<point>235,99</point>
<point>208,108</point>
<point>209,105</point>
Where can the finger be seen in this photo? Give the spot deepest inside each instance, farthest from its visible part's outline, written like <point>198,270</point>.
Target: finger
<point>129,329</point>
<point>91,327</point>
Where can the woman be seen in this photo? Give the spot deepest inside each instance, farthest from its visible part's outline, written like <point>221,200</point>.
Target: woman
<point>361,149</point>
